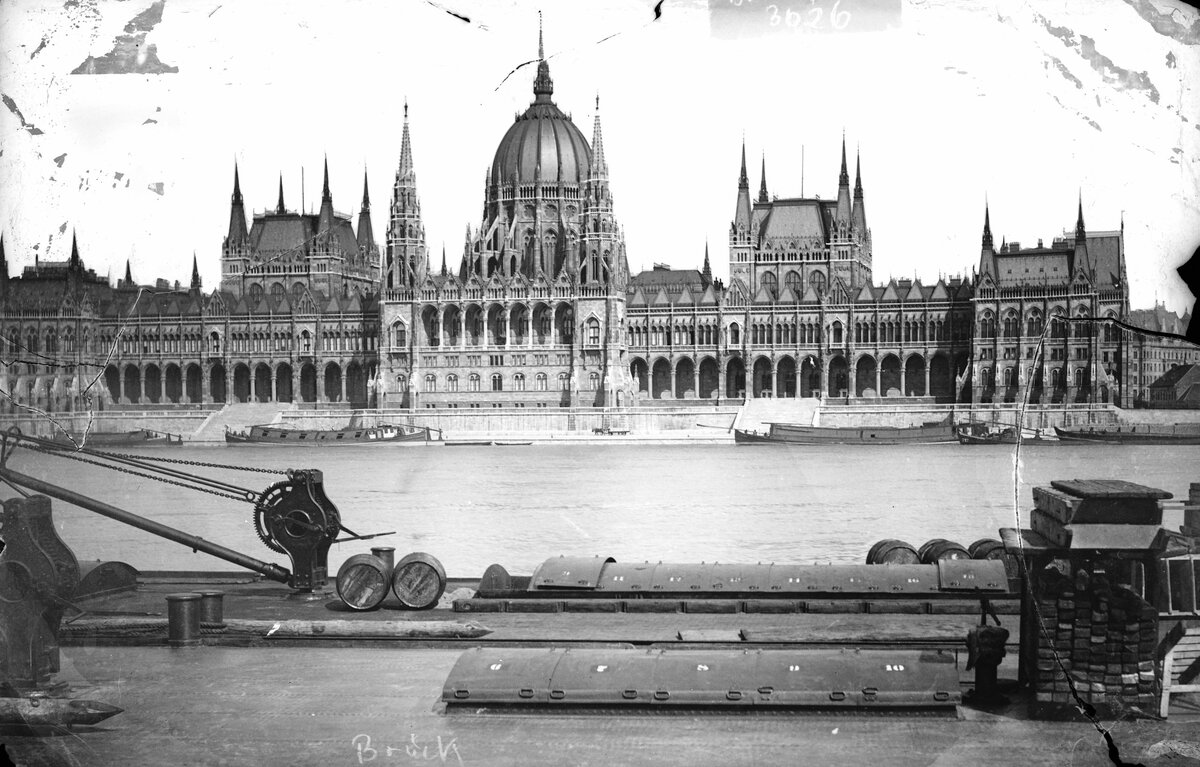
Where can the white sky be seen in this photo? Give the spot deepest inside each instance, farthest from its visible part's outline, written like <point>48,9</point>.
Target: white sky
<point>965,99</point>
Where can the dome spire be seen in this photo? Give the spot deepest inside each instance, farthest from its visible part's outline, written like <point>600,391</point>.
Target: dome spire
<point>599,166</point>
<point>543,86</point>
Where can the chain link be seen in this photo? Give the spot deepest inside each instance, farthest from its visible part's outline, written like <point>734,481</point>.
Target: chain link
<point>186,462</point>
<point>75,456</point>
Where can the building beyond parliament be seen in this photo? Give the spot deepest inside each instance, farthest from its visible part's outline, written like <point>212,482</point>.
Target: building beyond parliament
<point>541,310</point>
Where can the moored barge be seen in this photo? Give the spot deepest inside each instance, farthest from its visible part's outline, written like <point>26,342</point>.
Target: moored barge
<point>351,435</point>
<point>1141,434</point>
<point>796,434</point>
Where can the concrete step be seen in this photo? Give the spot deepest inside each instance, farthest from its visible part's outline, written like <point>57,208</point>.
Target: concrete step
<point>238,416</point>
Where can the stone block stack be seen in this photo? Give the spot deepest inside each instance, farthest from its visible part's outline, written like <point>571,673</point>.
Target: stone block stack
<point>1104,637</point>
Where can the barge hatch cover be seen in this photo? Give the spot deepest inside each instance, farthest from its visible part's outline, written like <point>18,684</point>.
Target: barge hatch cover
<point>818,680</point>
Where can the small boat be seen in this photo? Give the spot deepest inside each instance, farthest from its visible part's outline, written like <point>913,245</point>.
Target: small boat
<point>795,434</point>
<point>977,433</point>
<point>351,435</point>
<point>1140,434</point>
<point>484,443</point>
<point>136,438</point>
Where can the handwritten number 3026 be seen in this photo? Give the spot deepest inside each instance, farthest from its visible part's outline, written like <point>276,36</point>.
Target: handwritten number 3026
<point>837,19</point>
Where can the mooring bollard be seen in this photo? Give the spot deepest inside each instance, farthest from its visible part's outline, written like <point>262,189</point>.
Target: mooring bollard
<point>387,555</point>
<point>212,608</point>
<point>183,619</point>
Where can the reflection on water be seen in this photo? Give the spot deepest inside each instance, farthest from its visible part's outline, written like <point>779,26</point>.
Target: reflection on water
<point>517,505</point>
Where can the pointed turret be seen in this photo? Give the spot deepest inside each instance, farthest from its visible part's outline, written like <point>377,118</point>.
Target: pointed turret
<point>128,281</point>
<point>987,254</point>
<point>706,272</point>
<point>842,217</point>
<point>237,211</point>
<point>195,286</point>
<point>1082,264</point>
<point>741,216</point>
<point>407,260</point>
<point>858,217</point>
<point>325,219</point>
<point>443,259</point>
<point>543,86</point>
<point>599,167</point>
<point>75,264</point>
<point>366,232</point>
<point>279,206</point>
<point>762,187</point>
<point>3,271</point>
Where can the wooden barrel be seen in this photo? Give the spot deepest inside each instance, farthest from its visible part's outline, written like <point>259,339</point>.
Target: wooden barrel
<point>990,548</point>
<point>986,548</point>
<point>892,552</point>
<point>362,582</point>
<point>940,548</point>
<point>418,580</point>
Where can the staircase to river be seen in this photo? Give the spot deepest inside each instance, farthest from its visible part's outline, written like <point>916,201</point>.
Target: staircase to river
<point>237,417</point>
<point>757,413</point>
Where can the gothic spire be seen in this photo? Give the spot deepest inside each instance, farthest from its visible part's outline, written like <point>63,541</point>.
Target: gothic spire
<point>762,187</point>
<point>706,272</point>
<point>443,259</point>
<point>543,86</point>
<point>405,171</point>
<point>128,275</point>
<point>366,233</point>
<point>844,176</point>
<point>1080,232</point>
<point>743,179</point>
<point>987,227</point>
<point>599,166</point>
<point>279,206</point>
<point>75,262</point>
<point>858,213</point>
<point>237,212</point>
<point>858,192</point>
<point>325,219</point>
<point>843,214</point>
<point>195,273</point>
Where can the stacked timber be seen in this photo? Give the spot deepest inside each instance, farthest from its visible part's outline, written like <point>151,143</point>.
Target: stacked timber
<point>1066,504</point>
<point>1098,646</point>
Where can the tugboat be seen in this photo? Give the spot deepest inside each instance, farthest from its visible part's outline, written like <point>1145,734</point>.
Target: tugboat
<point>351,435</point>
<point>978,433</point>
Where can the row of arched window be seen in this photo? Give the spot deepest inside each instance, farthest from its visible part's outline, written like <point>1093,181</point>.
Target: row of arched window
<point>1010,325</point>
<point>987,377</point>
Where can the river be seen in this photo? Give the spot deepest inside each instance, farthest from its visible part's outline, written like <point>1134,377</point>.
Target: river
<point>517,505</point>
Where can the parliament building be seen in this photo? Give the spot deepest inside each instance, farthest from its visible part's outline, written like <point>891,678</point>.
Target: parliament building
<point>541,310</point>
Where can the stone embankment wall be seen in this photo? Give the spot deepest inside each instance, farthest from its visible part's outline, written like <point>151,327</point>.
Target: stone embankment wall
<point>456,421</point>
<point>184,422</point>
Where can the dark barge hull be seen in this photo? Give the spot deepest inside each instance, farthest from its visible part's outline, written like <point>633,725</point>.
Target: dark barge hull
<point>362,435</point>
<point>1183,434</point>
<point>137,438</point>
<point>795,434</point>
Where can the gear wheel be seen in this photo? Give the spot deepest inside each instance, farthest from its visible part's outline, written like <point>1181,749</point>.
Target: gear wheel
<point>277,516</point>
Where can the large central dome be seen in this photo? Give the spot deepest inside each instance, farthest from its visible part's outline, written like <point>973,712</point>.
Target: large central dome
<point>542,138</point>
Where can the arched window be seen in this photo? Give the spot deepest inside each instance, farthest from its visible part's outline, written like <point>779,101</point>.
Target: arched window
<point>399,334</point>
<point>735,334</point>
<point>593,332</point>
<point>836,332</point>
<point>214,341</point>
<point>593,381</point>
<point>987,325</point>
<point>1058,324</point>
<point>770,283</point>
<point>539,382</point>
<point>519,382</point>
<point>473,382</point>
<point>452,382</point>
<point>430,382</point>
<point>1034,324</point>
<point>791,280</point>
<point>564,382</point>
<point>497,382</point>
<point>401,383</point>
